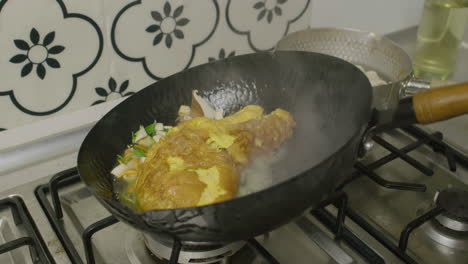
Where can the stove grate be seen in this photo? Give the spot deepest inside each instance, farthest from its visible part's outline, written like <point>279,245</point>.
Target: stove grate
<point>438,145</point>
<point>336,225</point>
<point>21,216</point>
<point>435,141</point>
<point>54,214</point>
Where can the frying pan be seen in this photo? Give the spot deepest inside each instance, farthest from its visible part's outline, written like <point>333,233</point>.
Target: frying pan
<point>330,100</point>
<point>368,49</point>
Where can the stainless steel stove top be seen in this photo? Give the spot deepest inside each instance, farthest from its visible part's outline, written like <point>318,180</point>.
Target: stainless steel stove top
<point>387,210</point>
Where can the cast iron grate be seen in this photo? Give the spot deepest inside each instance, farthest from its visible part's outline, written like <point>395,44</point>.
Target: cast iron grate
<point>435,141</point>
<point>37,248</point>
<point>54,214</point>
<point>54,211</point>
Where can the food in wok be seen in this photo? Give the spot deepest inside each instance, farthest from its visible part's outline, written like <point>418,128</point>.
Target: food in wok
<point>199,161</point>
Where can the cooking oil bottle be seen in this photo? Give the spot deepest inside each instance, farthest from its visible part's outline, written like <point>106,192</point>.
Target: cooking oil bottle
<point>440,33</point>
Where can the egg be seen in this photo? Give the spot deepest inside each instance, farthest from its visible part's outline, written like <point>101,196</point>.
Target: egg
<point>175,163</point>
<point>198,162</point>
<point>213,189</point>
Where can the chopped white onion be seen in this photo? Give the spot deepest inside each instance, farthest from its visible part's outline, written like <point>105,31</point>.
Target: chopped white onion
<point>132,164</point>
<point>157,137</point>
<point>117,171</point>
<point>184,110</point>
<point>141,134</point>
<point>147,142</point>
<point>159,126</point>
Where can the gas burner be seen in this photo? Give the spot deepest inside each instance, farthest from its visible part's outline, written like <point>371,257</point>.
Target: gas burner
<point>454,202</point>
<point>193,253</point>
<point>451,227</point>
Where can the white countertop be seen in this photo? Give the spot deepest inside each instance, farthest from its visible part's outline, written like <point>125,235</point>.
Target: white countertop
<point>45,147</point>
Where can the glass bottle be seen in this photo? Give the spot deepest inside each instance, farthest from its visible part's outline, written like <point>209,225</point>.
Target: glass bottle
<point>440,33</point>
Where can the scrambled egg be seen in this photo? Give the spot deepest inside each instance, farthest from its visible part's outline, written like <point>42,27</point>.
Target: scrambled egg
<point>175,163</point>
<point>213,190</point>
<point>198,162</point>
<point>210,177</point>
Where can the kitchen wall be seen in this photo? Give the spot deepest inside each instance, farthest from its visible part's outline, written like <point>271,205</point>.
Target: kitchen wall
<point>58,56</point>
<point>380,16</point>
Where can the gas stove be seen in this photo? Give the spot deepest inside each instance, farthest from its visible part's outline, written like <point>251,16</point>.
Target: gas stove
<point>405,202</point>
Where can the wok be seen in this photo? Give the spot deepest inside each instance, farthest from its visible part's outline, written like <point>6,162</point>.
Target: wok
<point>330,100</point>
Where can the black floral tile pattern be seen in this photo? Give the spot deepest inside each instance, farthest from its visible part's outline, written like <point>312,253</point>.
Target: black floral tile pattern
<point>268,10</point>
<point>222,55</point>
<point>265,22</point>
<point>45,52</point>
<point>37,53</point>
<point>113,91</point>
<point>167,31</point>
<point>168,25</point>
<point>51,52</point>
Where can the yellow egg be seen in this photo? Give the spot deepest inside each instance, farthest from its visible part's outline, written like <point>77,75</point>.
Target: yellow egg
<point>220,141</point>
<point>245,114</point>
<point>213,190</point>
<point>175,163</point>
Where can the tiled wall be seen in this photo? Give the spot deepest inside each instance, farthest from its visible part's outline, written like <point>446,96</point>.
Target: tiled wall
<point>57,56</point>
<point>379,16</point>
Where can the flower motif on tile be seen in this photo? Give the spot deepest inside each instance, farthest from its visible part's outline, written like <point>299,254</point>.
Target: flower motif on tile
<point>168,25</point>
<point>44,53</point>
<point>163,35</point>
<point>267,8</point>
<point>113,92</point>
<point>222,55</point>
<point>264,22</point>
<point>37,53</point>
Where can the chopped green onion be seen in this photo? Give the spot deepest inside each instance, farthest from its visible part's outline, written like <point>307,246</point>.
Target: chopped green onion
<point>121,159</point>
<point>150,129</point>
<point>139,152</point>
<point>134,134</point>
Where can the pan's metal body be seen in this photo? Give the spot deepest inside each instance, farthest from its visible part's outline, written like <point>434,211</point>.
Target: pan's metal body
<point>367,49</point>
<point>329,98</point>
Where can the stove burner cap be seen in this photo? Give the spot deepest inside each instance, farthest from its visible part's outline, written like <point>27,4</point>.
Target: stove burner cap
<point>200,253</point>
<point>455,203</point>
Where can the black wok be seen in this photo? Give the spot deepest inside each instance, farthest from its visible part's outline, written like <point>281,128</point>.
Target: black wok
<point>329,98</point>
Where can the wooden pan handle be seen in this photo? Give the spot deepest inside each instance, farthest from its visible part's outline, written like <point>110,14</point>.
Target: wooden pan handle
<point>441,103</point>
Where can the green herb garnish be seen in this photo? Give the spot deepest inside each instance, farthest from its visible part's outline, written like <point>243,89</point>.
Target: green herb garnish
<point>139,152</point>
<point>151,129</point>
<point>134,134</point>
<point>121,159</point>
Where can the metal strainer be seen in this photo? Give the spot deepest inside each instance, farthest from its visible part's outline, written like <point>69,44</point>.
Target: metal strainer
<point>367,49</point>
